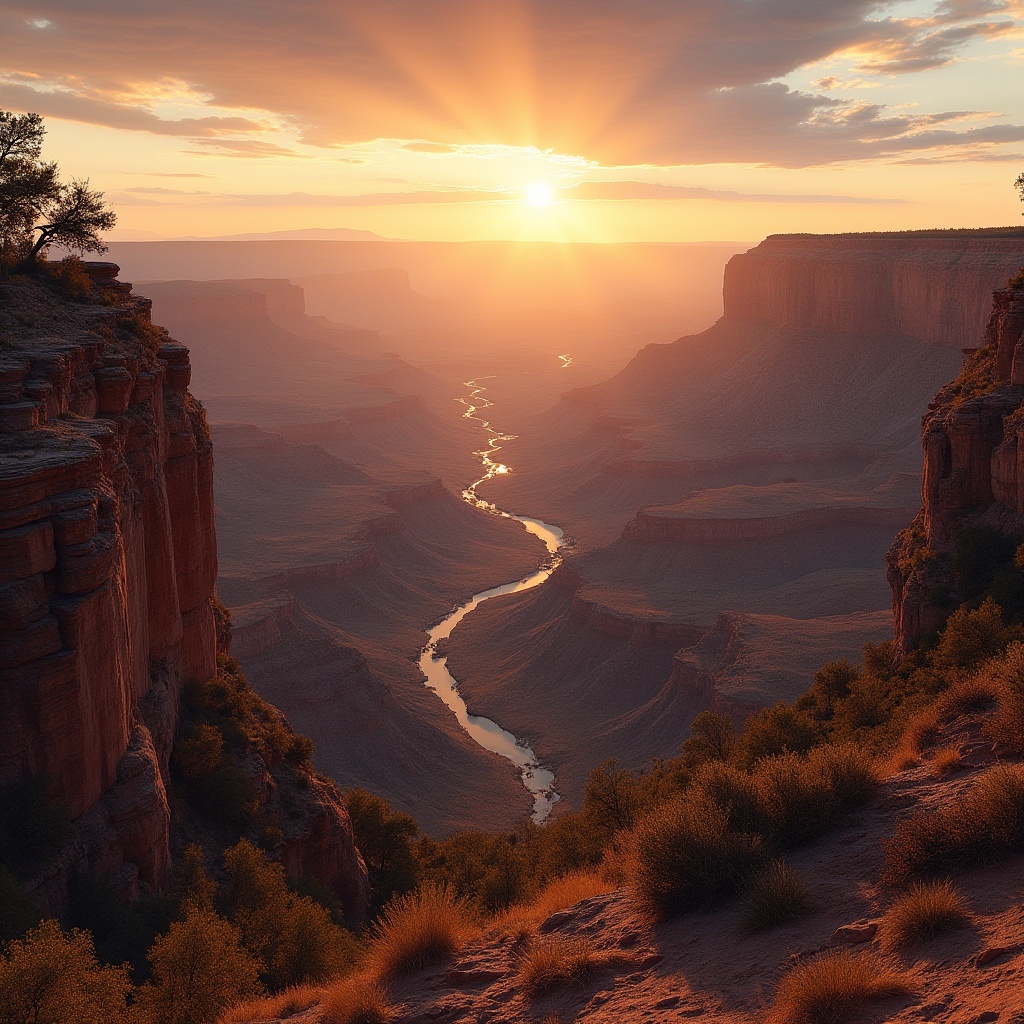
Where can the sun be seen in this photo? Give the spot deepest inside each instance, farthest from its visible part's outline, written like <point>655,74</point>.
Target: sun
<point>539,194</point>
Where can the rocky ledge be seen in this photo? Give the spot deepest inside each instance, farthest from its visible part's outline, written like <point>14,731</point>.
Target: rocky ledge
<point>973,441</point>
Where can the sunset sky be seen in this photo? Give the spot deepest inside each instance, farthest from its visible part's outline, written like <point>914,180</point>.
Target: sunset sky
<point>646,120</point>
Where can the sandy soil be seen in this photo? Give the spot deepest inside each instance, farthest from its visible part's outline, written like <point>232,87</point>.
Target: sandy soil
<point>707,966</point>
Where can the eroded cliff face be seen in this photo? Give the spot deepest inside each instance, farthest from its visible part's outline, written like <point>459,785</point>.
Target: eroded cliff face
<point>110,561</point>
<point>108,564</point>
<point>929,286</point>
<point>973,441</point>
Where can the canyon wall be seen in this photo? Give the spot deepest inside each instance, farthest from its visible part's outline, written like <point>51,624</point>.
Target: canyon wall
<point>929,286</point>
<point>108,564</point>
<point>973,442</point>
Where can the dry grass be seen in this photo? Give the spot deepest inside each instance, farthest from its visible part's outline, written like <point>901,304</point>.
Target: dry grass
<point>828,989</point>
<point>984,824</point>
<point>562,960</point>
<point>292,1000</point>
<point>1006,726</point>
<point>967,697</point>
<point>419,929</point>
<point>921,732</point>
<point>947,759</point>
<point>518,921</point>
<point>776,896</point>
<point>927,910</point>
<point>687,856</point>
<point>357,999</point>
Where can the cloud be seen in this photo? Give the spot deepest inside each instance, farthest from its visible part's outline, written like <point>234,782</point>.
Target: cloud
<point>616,81</point>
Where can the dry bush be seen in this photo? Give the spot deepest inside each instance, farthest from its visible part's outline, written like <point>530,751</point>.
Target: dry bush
<point>827,989</point>
<point>775,896</point>
<point>802,795</point>
<point>982,825</point>
<point>1006,726</point>
<point>736,792</point>
<point>357,999</point>
<point>562,960</point>
<point>292,1000</point>
<point>519,920</point>
<point>921,732</point>
<point>419,929</point>
<point>947,759</point>
<point>967,697</point>
<point>687,856</point>
<point>927,910</point>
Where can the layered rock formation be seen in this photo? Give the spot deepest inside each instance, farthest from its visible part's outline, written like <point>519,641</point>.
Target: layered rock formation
<point>109,562</point>
<point>973,441</point>
<point>931,286</point>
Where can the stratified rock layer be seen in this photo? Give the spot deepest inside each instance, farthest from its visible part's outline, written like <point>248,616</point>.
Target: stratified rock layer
<point>108,564</point>
<point>973,441</point>
<point>108,569</point>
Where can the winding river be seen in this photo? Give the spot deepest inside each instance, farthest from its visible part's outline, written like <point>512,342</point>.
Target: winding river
<point>539,781</point>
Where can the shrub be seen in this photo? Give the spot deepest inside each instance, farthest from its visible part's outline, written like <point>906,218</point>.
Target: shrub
<point>293,938</point>
<point>736,792</point>
<point>1006,726</point>
<point>71,275</point>
<point>285,1004</point>
<point>922,731</point>
<point>687,856</point>
<point>947,759</point>
<point>781,729</point>
<point>357,1000</point>
<point>199,970</point>
<point>927,910</point>
<point>561,960</point>
<point>798,802</point>
<point>558,894</point>
<point>984,824</point>
<point>825,990</point>
<point>775,896</point>
<point>967,697</point>
<point>386,838</point>
<point>849,770</point>
<point>972,636</point>
<point>419,929</point>
<point>53,976</point>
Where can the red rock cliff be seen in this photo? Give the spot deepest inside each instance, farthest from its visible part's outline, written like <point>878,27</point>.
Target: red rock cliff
<point>973,441</point>
<point>109,559</point>
<point>108,563</point>
<point>929,286</point>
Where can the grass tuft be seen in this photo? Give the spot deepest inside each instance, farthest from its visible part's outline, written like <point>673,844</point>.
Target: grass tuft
<point>687,856</point>
<point>417,930</point>
<point>983,825</point>
<point>562,960</point>
<point>292,1000</point>
<point>947,759</point>
<point>927,910</point>
<point>828,989</point>
<point>776,896</point>
<point>560,893</point>
<point>357,999</point>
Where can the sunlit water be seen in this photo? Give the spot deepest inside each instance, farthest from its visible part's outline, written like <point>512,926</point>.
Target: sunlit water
<point>539,781</point>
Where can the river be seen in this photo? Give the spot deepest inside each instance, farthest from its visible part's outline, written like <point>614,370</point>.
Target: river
<point>538,780</point>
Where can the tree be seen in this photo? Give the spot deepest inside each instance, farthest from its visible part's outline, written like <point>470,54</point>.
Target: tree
<point>711,739</point>
<point>53,977</point>
<point>386,838</point>
<point>1019,186</point>
<point>199,970</point>
<point>33,198</point>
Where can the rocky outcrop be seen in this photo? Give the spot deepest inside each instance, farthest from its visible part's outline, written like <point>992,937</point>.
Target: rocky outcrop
<point>109,561</point>
<point>929,286</point>
<point>108,564</point>
<point>972,438</point>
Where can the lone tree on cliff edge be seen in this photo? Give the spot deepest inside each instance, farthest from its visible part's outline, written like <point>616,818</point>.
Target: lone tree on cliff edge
<point>34,200</point>
<point>1019,185</point>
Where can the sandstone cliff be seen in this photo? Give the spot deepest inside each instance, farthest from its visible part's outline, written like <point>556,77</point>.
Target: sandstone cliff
<point>930,286</point>
<point>972,438</point>
<point>108,568</point>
